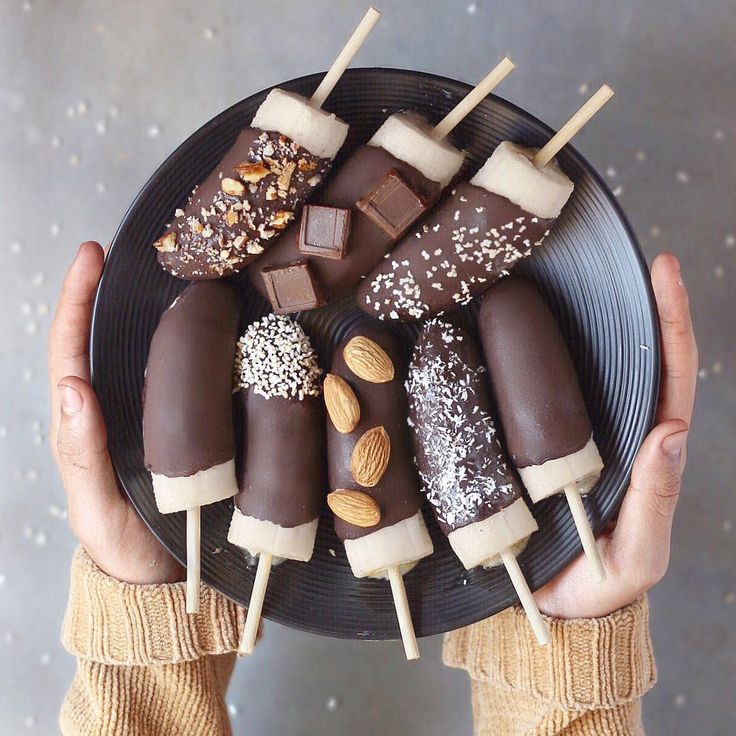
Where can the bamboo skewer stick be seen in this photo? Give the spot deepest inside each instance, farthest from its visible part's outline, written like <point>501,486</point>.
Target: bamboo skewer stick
<point>586,533</point>
<point>345,57</point>
<point>565,134</point>
<point>194,531</point>
<point>257,595</point>
<point>540,628</point>
<point>406,625</point>
<point>471,100</point>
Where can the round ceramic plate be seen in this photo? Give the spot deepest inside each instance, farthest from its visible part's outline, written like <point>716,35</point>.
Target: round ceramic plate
<point>590,270</point>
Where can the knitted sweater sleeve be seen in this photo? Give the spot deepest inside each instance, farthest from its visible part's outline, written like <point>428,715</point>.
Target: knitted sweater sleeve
<point>588,682</point>
<point>145,666</point>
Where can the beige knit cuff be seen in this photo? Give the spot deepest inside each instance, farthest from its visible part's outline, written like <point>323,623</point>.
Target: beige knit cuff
<point>591,663</point>
<point>111,622</point>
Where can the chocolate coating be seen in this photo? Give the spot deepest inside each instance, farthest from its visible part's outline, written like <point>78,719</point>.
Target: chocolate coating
<point>282,474</point>
<point>472,239</point>
<point>537,393</point>
<point>234,229</point>
<point>363,171</point>
<point>461,462</point>
<point>187,396</point>
<point>381,404</point>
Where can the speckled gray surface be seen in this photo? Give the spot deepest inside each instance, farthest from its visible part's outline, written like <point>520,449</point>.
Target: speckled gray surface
<point>94,95</point>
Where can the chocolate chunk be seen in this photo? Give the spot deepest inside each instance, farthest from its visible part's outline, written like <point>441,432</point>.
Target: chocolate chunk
<point>393,205</point>
<point>324,231</point>
<point>292,288</point>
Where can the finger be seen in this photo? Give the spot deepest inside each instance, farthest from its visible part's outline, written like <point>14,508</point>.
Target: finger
<point>679,350</point>
<point>641,540</point>
<point>69,333</point>
<point>89,478</point>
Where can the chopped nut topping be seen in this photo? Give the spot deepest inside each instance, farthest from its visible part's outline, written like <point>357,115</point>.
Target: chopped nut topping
<point>251,173</point>
<point>305,165</point>
<point>224,254</point>
<point>238,242</point>
<point>314,180</point>
<point>281,219</point>
<point>231,217</point>
<point>271,193</point>
<point>254,249</point>
<point>207,232</point>
<point>195,225</point>
<point>233,187</point>
<point>179,212</point>
<point>166,243</point>
<point>284,179</point>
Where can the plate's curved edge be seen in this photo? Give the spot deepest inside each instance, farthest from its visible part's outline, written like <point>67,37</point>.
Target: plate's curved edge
<point>570,151</point>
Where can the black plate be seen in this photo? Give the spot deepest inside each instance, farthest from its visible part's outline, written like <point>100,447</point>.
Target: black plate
<point>591,271</point>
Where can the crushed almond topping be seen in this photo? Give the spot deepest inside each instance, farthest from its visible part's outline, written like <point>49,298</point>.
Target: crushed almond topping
<point>305,165</point>
<point>314,180</point>
<point>166,243</point>
<point>179,212</point>
<point>281,219</point>
<point>231,217</point>
<point>233,187</point>
<point>284,180</point>
<point>271,193</point>
<point>252,173</point>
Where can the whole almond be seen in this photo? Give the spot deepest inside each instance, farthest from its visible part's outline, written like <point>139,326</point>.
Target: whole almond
<point>355,507</point>
<point>368,360</point>
<point>370,457</point>
<point>342,404</point>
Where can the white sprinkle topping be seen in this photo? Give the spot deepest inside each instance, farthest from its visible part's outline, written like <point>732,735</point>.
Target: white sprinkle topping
<point>461,463</point>
<point>275,358</point>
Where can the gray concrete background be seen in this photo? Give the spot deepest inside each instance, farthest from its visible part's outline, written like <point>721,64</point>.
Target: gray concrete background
<point>94,95</point>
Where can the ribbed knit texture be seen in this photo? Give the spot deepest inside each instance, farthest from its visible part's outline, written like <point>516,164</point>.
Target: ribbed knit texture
<point>146,667</point>
<point>587,682</point>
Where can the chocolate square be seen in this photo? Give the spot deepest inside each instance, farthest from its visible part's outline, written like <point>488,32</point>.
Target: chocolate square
<point>393,205</point>
<point>292,288</point>
<point>324,231</point>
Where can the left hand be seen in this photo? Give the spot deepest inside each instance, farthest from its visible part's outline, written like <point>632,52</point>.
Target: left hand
<point>636,552</point>
<point>103,520</point>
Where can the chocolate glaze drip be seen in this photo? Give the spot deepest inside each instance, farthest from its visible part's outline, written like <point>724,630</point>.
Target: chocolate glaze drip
<point>187,403</point>
<point>461,463</point>
<point>282,474</point>
<point>539,401</point>
<point>472,239</point>
<point>397,492</point>
<point>234,229</point>
<point>363,171</point>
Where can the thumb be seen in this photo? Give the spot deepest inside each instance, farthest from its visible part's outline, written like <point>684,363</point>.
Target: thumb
<point>642,534</point>
<point>84,462</point>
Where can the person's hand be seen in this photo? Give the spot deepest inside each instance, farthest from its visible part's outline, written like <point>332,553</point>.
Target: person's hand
<point>107,526</point>
<point>636,551</point>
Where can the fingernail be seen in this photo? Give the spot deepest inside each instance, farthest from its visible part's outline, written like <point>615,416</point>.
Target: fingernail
<point>71,400</point>
<point>675,443</point>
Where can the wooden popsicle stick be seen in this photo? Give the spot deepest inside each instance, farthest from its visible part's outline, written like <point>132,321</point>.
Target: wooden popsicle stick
<point>540,628</point>
<point>253,617</point>
<point>194,527</point>
<point>345,57</point>
<point>471,100</point>
<point>565,134</point>
<point>406,625</point>
<point>586,533</point>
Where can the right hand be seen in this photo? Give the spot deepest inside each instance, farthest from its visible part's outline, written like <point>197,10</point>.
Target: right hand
<point>103,520</point>
<point>637,551</point>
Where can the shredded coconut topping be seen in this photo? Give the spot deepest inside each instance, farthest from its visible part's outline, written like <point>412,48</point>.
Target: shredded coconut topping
<point>461,463</point>
<point>275,358</point>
